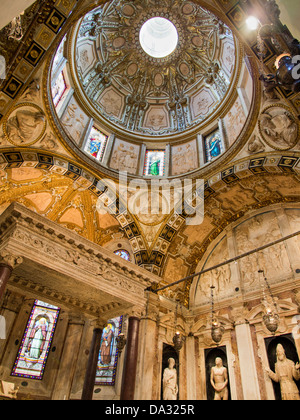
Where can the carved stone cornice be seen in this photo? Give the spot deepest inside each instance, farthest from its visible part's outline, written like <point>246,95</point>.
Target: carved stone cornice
<point>61,298</point>
<point>60,264</point>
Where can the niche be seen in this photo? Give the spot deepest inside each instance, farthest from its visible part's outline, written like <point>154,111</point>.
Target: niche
<point>210,361</point>
<point>169,351</point>
<point>288,344</point>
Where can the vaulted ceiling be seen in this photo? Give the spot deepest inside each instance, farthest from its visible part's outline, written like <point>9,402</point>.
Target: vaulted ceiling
<point>53,177</point>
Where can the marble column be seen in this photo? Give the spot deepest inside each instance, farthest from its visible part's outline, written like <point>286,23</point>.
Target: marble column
<point>131,357</point>
<point>247,362</point>
<point>90,375</point>
<point>191,368</point>
<point>148,351</point>
<point>7,263</point>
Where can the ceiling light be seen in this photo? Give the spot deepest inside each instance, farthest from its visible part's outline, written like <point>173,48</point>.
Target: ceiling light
<point>158,37</point>
<point>252,23</point>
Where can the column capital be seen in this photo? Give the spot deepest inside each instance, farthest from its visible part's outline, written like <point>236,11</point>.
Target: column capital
<point>136,312</point>
<point>9,259</point>
<point>240,314</point>
<point>99,323</point>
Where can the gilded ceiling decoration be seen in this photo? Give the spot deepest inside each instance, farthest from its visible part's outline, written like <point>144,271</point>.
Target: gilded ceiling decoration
<point>203,85</point>
<point>150,95</point>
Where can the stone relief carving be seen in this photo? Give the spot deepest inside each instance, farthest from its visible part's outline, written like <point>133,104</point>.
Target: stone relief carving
<point>220,277</point>
<point>202,103</point>
<point>279,127</point>
<point>75,120</point>
<point>33,91</point>
<point>125,156</point>
<point>175,270</point>
<point>262,229</point>
<point>234,121</point>
<point>228,55</point>
<point>10,259</point>
<point>49,142</point>
<point>156,118</point>
<point>255,145</point>
<point>86,56</point>
<point>112,102</point>
<point>25,125</point>
<point>88,263</point>
<point>184,158</point>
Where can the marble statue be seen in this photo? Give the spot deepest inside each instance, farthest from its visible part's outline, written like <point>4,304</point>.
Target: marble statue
<point>286,373</point>
<point>219,380</point>
<point>170,387</point>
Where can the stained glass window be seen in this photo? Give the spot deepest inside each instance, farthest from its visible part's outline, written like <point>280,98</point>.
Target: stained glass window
<point>108,354</point>
<point>36,342</point>
<point>59,89</point>
<point>96,144</point>
<point>154,163</point>
<point>213,145</point>
<point>123,254</point>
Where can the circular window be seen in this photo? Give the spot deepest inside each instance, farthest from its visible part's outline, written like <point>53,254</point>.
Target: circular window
<point>158,37</point>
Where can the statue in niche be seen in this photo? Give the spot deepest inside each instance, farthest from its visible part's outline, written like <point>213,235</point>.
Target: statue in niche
<point>286,373</point>
<point>219,380</point>
<point>170,387</point>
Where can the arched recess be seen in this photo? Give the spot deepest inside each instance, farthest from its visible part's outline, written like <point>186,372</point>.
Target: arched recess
<point>240,279</point>
<point>230,194</point>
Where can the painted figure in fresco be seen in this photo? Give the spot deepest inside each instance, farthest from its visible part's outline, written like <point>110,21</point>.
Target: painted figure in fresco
<point>170,387</point>
<point>106,345</point>
<point>37,338</point>
<point>155,161</point>
<point>219,380</point>
<point>286,373</point>
<point>214,147</point>
<point>154,168</point>
<point>94,147</point>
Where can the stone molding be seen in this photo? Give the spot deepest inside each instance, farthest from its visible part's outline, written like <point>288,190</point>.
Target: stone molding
<point>77,271</point>
<point>7,258</point>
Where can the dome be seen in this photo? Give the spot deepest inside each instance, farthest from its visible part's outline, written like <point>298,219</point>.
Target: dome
<point>158,93</point>
<point>152,83</point>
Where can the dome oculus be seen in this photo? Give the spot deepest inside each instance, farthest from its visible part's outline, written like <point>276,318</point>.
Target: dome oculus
<point>158,37</point>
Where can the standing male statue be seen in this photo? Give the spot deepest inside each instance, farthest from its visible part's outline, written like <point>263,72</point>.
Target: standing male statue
<point>286,373</point>
<point>219,380</point>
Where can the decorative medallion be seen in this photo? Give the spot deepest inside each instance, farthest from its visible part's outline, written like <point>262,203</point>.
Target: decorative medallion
<point>24,125</point>
<point>279,127</point>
